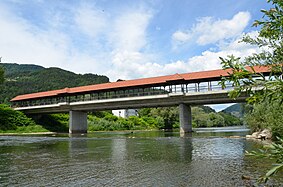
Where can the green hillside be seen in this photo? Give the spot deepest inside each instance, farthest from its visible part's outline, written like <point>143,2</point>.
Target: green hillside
<point>22,79</point>
<point>207,109</point>
<point>236,110</point>
<point>14,70</point>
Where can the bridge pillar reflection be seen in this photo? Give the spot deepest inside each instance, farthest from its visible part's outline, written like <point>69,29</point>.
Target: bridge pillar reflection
<point>185,118</point>
<point>78,122</point>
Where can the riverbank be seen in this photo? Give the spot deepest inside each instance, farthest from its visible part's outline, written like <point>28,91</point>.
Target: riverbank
<point>240,131</point>
<point>27,133</point>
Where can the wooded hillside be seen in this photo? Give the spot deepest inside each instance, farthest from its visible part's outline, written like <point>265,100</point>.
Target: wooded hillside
<point>22,79</point>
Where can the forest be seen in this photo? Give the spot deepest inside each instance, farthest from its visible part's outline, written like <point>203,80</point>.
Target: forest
<point>28,78</point>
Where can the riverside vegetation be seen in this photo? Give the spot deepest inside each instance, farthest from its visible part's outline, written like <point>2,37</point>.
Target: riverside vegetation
<point>267,102</point>
<point>148,119</point>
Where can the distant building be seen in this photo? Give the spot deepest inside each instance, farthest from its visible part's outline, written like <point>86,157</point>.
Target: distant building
<point>125,113</point>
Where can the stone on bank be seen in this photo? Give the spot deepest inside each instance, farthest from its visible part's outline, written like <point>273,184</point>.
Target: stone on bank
<point>263,135</point>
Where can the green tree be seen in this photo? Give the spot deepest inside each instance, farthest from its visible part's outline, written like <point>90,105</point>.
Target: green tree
<point>230,120</point>
<point>1,74</point>
<point>266,115</point>
<point>269,89</point>
<point>216,120</point>
<point>144,112</point>
<point>170,116</point>
<point>200,118</point>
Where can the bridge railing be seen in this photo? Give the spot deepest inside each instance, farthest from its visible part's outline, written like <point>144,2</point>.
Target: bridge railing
<point>137,92</point>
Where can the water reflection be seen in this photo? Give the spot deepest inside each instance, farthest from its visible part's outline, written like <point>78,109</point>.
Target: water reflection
<point>218,148</point>
<point>126,159</point>
<point>119,150</point>
<point>77,144</point>
<point>186,149</point>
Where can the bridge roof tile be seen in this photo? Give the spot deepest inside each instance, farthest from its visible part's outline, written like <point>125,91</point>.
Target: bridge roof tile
<point>205,74</point>
<point>201,76</point>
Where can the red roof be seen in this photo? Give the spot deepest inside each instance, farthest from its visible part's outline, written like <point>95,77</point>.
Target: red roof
<point>137,82</point>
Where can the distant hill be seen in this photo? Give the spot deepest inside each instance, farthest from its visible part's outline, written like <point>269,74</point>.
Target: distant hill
<point>12,70</point>
<point>236,110</point>
<point>23,79</point>
<point>207,109</point>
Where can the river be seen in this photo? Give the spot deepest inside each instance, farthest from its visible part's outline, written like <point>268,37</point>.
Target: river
<point>208,157</point>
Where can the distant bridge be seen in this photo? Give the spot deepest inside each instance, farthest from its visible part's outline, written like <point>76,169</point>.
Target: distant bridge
<point>181,90</point>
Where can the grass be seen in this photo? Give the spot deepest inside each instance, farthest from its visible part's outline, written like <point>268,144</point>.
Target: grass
<point>26,129</point>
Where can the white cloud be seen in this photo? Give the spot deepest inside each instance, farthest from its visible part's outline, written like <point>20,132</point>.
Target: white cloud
<point>129,31</point>
<point>18,42</point>
<point>213,31</point>
<point>22,42</point>
<point>210,31</point>
<point>181,36</point>
<point>91,20</point>
<point>129,65</point>
<point>209,60</point>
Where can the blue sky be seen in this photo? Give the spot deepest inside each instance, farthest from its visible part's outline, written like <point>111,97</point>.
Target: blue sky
<point>126,39</point>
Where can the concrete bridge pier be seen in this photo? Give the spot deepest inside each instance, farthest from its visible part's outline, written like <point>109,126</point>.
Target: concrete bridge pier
<point>185,118</point>
<point>77,122</point>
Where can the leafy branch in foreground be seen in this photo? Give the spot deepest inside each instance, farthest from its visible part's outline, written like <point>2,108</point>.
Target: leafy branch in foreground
<point>256,85</point>
<point>275,151</point>
<point>270,44</point>
<point>260,88</point>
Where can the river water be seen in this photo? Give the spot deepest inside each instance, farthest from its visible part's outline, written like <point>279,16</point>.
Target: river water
<point>208,157</point>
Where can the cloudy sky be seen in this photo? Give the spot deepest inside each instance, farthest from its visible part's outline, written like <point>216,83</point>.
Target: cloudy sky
<point>126,39</point>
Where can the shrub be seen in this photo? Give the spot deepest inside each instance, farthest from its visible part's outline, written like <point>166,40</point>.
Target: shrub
<point>53,122</point>
<point>11,119</point>
<point>110,117</point>
<point>266,115</point>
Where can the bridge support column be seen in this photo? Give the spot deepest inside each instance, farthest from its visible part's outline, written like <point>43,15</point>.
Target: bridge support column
<point>78,122</point>
<point>185,118</point>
